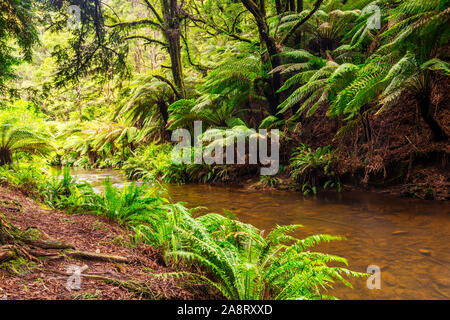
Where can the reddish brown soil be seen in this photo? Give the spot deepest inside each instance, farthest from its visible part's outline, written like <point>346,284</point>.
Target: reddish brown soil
<point>87,232</point>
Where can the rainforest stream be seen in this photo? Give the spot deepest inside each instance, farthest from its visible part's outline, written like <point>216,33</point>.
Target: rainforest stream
<point>406,238</point>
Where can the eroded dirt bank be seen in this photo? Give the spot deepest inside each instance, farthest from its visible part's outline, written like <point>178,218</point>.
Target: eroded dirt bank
<point>393,152</point>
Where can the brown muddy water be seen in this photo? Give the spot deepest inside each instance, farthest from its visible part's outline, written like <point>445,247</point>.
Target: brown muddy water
<point>407,239</point>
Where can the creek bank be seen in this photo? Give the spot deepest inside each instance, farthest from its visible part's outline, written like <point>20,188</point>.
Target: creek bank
<point>116,268</point>
<point>419,190</point>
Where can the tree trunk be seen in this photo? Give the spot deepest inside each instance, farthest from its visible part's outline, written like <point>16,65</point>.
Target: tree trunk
<point>172,33</point>
<point>174,48</point>
<point>80,107</point>
<point>278,6</point>
<point>424,106</point>
<point>292,5</point>
<point>5,157</point>
<point>272,50</point>
<point>299,6</point>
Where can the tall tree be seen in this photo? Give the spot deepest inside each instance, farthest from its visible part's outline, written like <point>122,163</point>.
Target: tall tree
<point>168,20</point>
<point>259,13</point>
<point>16,32</point>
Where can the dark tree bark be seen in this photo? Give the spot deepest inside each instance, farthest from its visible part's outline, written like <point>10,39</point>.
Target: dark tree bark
<point>424,107</point>
<point>299,6</point>
<point>164,110</point>
<point>278,6</point>
<point>5,157</point>
<point>292,5</point>
<point>272,49</point>
<point>172,33</point>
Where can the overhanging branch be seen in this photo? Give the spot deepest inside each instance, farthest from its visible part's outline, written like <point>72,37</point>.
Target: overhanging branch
<point>149,40</point>
<point>301,22</point>
<point>136,23</point>
<point>175,91</point>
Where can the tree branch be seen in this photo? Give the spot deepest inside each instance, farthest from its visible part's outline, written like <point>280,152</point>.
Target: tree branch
<point>301,22</point>
<point>177,93</point>
<point>154,12</point>
<point>197,66</point>
<point>136,23</point>
<point>219,30</point>
<point>149,40</point>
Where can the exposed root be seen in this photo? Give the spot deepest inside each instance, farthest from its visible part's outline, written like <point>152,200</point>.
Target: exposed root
<point>49,244</point>
<point>6,254</point>
<point>96,256</point>
<point>17,243</point>
<point>143,289</point>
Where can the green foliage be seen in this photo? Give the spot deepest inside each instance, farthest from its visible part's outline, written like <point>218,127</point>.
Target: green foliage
<point>28,177</point>
<point>154,162</point>
<point>242,264</point>
<point>144,105</point>
<point>17,138</point>
<point>396,60</point>
<point>63,192</point>
<point>310,168</point>
<point>270,181</point>
<point>128,204</point>
<point>55,190</point>
<point>17,36</point>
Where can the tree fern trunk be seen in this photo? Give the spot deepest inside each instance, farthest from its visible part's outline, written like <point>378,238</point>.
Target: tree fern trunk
<point>299,6</point>
<point>5,157</point>
<point>278,6</point>
<point>424,106</point>
<point>164,110</point>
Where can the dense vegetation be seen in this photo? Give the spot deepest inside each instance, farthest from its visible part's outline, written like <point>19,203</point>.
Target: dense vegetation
<point>136,70</point>
<point>232,257</point>
<point>333,76</point>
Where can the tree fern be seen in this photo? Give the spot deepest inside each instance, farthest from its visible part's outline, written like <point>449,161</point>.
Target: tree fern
<point>15,138</point>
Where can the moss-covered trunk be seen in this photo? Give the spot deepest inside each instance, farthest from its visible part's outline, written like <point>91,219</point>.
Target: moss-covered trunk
<point>259,13</point>
<point>172,33</point>
<point>6,237</point>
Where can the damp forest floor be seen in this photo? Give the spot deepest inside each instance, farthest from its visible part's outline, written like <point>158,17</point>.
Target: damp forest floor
<point>47,277</point>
